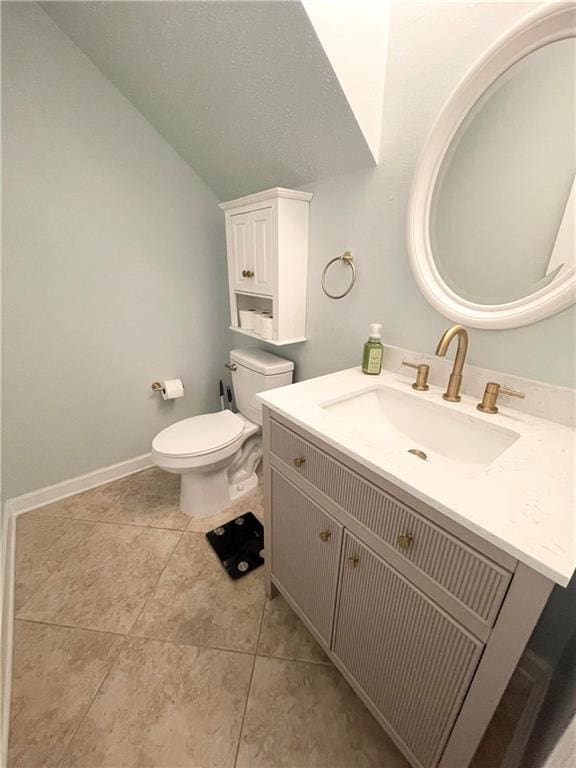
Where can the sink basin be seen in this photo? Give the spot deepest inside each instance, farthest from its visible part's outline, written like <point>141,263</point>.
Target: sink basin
<point>436,434</point>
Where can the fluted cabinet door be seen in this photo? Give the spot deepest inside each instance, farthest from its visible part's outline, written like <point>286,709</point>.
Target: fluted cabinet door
<point>306,544</point>
<point>411,658</point>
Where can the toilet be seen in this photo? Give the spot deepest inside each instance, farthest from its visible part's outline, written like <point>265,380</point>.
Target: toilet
<point>217,454</point>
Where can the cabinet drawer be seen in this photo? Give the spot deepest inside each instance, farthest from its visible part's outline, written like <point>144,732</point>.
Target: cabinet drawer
<point>475,581</point>
<point>306,544</point>
<point>412,660</point>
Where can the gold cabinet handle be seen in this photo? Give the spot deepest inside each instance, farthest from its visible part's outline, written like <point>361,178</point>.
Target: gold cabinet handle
<point>247,273</point>
<point>299,461</point>
<point>405,540</point>
<point>325,535</point>
<point>421,383</point>
<point>353,561</point>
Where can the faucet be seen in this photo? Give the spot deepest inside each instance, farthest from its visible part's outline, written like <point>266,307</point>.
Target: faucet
<point>452,393</point>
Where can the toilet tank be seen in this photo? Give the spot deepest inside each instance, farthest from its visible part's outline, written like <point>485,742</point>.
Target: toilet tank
<point>257,371</point>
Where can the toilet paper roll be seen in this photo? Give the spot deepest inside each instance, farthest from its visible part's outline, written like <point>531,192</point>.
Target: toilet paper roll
<point>247,319</point>
<point>266,326</point>
<point>259,315</point>
<point>172,388</point>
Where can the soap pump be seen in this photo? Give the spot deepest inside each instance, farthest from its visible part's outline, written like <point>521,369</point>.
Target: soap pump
<point>373,351</point>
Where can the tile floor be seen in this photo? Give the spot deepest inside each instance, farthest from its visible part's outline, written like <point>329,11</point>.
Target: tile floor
<point>134,648</point>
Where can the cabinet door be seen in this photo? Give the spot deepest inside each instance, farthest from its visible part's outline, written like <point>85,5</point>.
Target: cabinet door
<point>241,256</point>
<point>262,250</point>
<point>412,660</point>
<point>305,548</point>
<point>251,251</point>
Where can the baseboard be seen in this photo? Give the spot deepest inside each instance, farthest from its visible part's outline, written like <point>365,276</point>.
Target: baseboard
<point>13,508</point>
<point>52,493</point>
<point>6,626</point>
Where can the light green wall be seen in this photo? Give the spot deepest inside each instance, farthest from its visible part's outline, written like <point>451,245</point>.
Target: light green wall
<point>113,266</point>
<point>431,47</point>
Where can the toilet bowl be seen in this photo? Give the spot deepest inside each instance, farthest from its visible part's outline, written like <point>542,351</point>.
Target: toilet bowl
<point>217,454</point>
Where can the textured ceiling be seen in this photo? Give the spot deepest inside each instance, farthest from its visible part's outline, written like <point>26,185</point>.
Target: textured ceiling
<point>242,90</point>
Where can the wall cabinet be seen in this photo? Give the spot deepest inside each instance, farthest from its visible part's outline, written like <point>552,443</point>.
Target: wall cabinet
<point>267,246</point>
<point>426,620</point>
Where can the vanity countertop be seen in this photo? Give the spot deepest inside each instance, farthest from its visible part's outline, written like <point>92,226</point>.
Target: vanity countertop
<point>523,502</point>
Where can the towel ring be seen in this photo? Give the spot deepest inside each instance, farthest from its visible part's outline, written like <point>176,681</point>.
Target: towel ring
<point>347,258</point>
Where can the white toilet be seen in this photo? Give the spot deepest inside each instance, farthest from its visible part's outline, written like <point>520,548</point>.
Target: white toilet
<point>217,454</point>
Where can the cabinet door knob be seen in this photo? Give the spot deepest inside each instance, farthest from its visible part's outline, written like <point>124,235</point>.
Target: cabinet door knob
<point>247,273</point>
<point>298,461</point>
<point>353,561</point>
<point>405,540</point>
<point>325,535</point>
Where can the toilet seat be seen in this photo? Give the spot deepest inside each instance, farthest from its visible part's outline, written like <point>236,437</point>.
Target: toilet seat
<point>199,435</point>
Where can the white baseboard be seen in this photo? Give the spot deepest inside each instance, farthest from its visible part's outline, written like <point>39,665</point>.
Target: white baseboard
<point>51,493</point>
<point>6,627</point>
<point>13,508</point>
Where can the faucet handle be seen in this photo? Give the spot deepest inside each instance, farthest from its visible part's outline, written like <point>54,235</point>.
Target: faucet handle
<point>493,389</point>
<point>421,383</point>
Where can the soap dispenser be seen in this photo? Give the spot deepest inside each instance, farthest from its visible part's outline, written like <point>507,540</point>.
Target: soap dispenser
<point>373,351</point>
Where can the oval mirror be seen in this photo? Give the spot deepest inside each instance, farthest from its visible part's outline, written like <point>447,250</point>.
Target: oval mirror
<point>492,217</point>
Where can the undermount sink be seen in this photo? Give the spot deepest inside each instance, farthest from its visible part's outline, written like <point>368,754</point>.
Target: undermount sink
<point>444,438</point>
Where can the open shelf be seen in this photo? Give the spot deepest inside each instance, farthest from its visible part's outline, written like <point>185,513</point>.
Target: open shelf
<point>267,341</point>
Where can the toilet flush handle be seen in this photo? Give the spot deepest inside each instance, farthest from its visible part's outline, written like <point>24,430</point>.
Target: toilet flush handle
<point>231,366</point>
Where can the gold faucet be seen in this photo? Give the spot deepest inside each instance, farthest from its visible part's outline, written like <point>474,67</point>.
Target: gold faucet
<point>455,381</point>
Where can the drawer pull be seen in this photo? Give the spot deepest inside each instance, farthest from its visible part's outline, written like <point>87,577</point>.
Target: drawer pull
<point>405,540</point>
<point>298,461</point>
<point>325,535</point>
<point>353,561</point>
<point>247,273</point>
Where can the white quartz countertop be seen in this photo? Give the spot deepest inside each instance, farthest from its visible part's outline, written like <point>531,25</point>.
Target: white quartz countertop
<point>523,502</point>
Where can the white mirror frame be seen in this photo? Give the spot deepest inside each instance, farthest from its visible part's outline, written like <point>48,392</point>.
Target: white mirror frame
<point>547,25</point>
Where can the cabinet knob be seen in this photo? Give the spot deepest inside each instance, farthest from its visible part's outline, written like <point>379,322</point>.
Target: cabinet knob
<point>298,461</point>
<point>353,561</point>
<point>405,540</point>
<point>247,273</point>
<point>325,535</point>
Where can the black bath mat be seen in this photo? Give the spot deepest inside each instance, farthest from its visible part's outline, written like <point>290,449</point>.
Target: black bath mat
<point>239,544</point>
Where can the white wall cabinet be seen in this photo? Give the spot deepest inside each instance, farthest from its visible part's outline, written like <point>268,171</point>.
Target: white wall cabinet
<point>267,245</point>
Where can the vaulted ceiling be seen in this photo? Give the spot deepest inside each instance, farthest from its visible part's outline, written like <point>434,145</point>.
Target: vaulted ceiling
<point>244,91</point>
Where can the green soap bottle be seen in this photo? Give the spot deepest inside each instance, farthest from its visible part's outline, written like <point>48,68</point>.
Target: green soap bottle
<point>373,351</point>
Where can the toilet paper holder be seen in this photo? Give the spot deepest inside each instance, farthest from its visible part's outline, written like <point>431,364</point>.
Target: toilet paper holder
<point>166,388</point>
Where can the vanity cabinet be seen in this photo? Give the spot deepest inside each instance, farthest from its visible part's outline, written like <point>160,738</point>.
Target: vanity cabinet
<point>267,247</point>
<point>426,620</point>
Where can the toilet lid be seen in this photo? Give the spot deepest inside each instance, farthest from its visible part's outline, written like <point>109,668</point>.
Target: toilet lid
<point>199,434</point>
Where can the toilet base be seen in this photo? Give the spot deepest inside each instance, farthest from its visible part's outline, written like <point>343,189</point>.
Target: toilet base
<point>206,491</point>
<point>206,494</point>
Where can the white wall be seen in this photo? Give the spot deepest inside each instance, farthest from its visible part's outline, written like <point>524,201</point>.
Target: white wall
<point>431,46</point>
<point>114,266</point>
<point>354,35</point>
